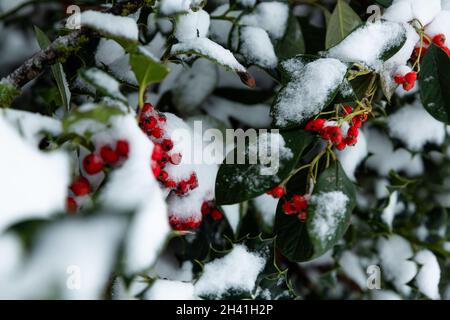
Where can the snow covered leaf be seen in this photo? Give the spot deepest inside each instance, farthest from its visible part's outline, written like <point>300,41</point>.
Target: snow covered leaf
<point>104,84</point>
<point>329,214</point>
<point>371,44</point>
<point>209,50</point>
<point>110,25</point>
<point>239,182</point>
<point>256,47</point>
<point>342,22</point>
<point>57,70</point>
<point>307,92</point>
<point>434,80</point>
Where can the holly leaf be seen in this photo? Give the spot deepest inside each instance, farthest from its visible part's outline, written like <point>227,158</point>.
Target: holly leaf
<point>299,240</point>
<point>342,22</point>
<point>99,113</point>
<point>147,69</point>
<point>434,80</point>
<point>292,42</point>
<point>239,182</point>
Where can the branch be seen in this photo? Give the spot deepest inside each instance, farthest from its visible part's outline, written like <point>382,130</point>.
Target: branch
<point>64,46</point>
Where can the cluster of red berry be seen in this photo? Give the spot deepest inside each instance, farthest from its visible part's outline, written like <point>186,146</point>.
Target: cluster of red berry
<point>153,123</point>
<point>438,40</point>
<point>296,206</point>
<point>332,132</point>
<point>408,80</point>
<point>93,163</point>
<point>278,192</point>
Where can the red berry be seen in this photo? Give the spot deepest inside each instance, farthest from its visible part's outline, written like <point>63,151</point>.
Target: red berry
<point>352,132</point>
<point>157,132</point>
<point>71,205</point>
<point>216,214</point>
<point>302,216</point>
<point>411,77</point>
<point>289,208</point>
<point>156,168</point>
<point>167,144</point>
<point>192,223</point>
<point>149,123</point>
<point>92,164</point>
<point>439,39</point>
<point>341,146</point>
<point>348,110</point>
<point>147,107</point>
<point>335,134</point>
<point>164,159</point>
<point>399,79</point>
<point>300,202</point>
<point>175,223</point>
<point>277,192</point>
<point>357,122</point>
<point>446,50</point>
<point>163,175</point>
<point>408,86</point>
<point>122,148</point>
<point>80,187</point>
<point>350,141</point>
<point>182,187</point>
<point>315,125</point>
<point>158,152</point>
<point>206,209</point>
<point>109,155</point>
<point>170,184</point>
<point>175,158</point>
<point>193,181</point>
<point>162,118</point>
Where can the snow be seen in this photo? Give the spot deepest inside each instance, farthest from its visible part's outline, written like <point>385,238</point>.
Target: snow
<point>441,24</point>
<point>71,258</point>
<point>104,82</point>
<point>395,253</point>
<point>170,7</point>
<point>192,25</point>
<point>32,126</point>
<point>367,44</point>
<point>193,85</point>
<point>223,110</point>
<point>393,208</point>
<point>170,290</point>
<point>406,10</point>
<point>34,183</point>
<point>11,254</point>
<point>233,214</point>
<point>209,49</point>
<point>235,272</point>
<point>271,16</point>
<point>112,55</point>
<point>267,207</point>
<point>168,267</point>
<point>429,274</point>
<point>329,211</point>
<point>308,91</point>
<point>384,158</point>
<point>257,48</point>
<point>415,127</point>
<point>350,265</point>
<point>351,157</point>
<point>220,29</point>
<point>116,26</point>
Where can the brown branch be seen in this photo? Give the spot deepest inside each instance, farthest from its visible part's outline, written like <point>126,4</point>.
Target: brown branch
<point>64,46</point>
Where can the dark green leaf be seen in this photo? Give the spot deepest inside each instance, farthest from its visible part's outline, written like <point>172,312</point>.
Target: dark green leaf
<point>57,70</point>
<point>434,79</point>
<point>239,182</point>
<point>292,42</point>
<point>342,22</point>
<point>146,69</point>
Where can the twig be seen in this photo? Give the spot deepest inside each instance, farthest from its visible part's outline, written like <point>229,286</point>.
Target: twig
<point>64,46</point>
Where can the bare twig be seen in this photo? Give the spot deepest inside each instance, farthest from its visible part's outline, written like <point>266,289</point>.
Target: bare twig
<point>64,46</point>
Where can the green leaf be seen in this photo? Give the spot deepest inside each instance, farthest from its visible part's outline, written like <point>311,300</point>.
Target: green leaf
<point>147,70</point>
<point>100,113</point>
<point>342,22</point>
<point>104,84</point>
<point>332,179</point>
<point>239,182</point>
<point>434,80</point>
<point>57,70</point>
<point>292,42</point>
<point>296,239</point>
